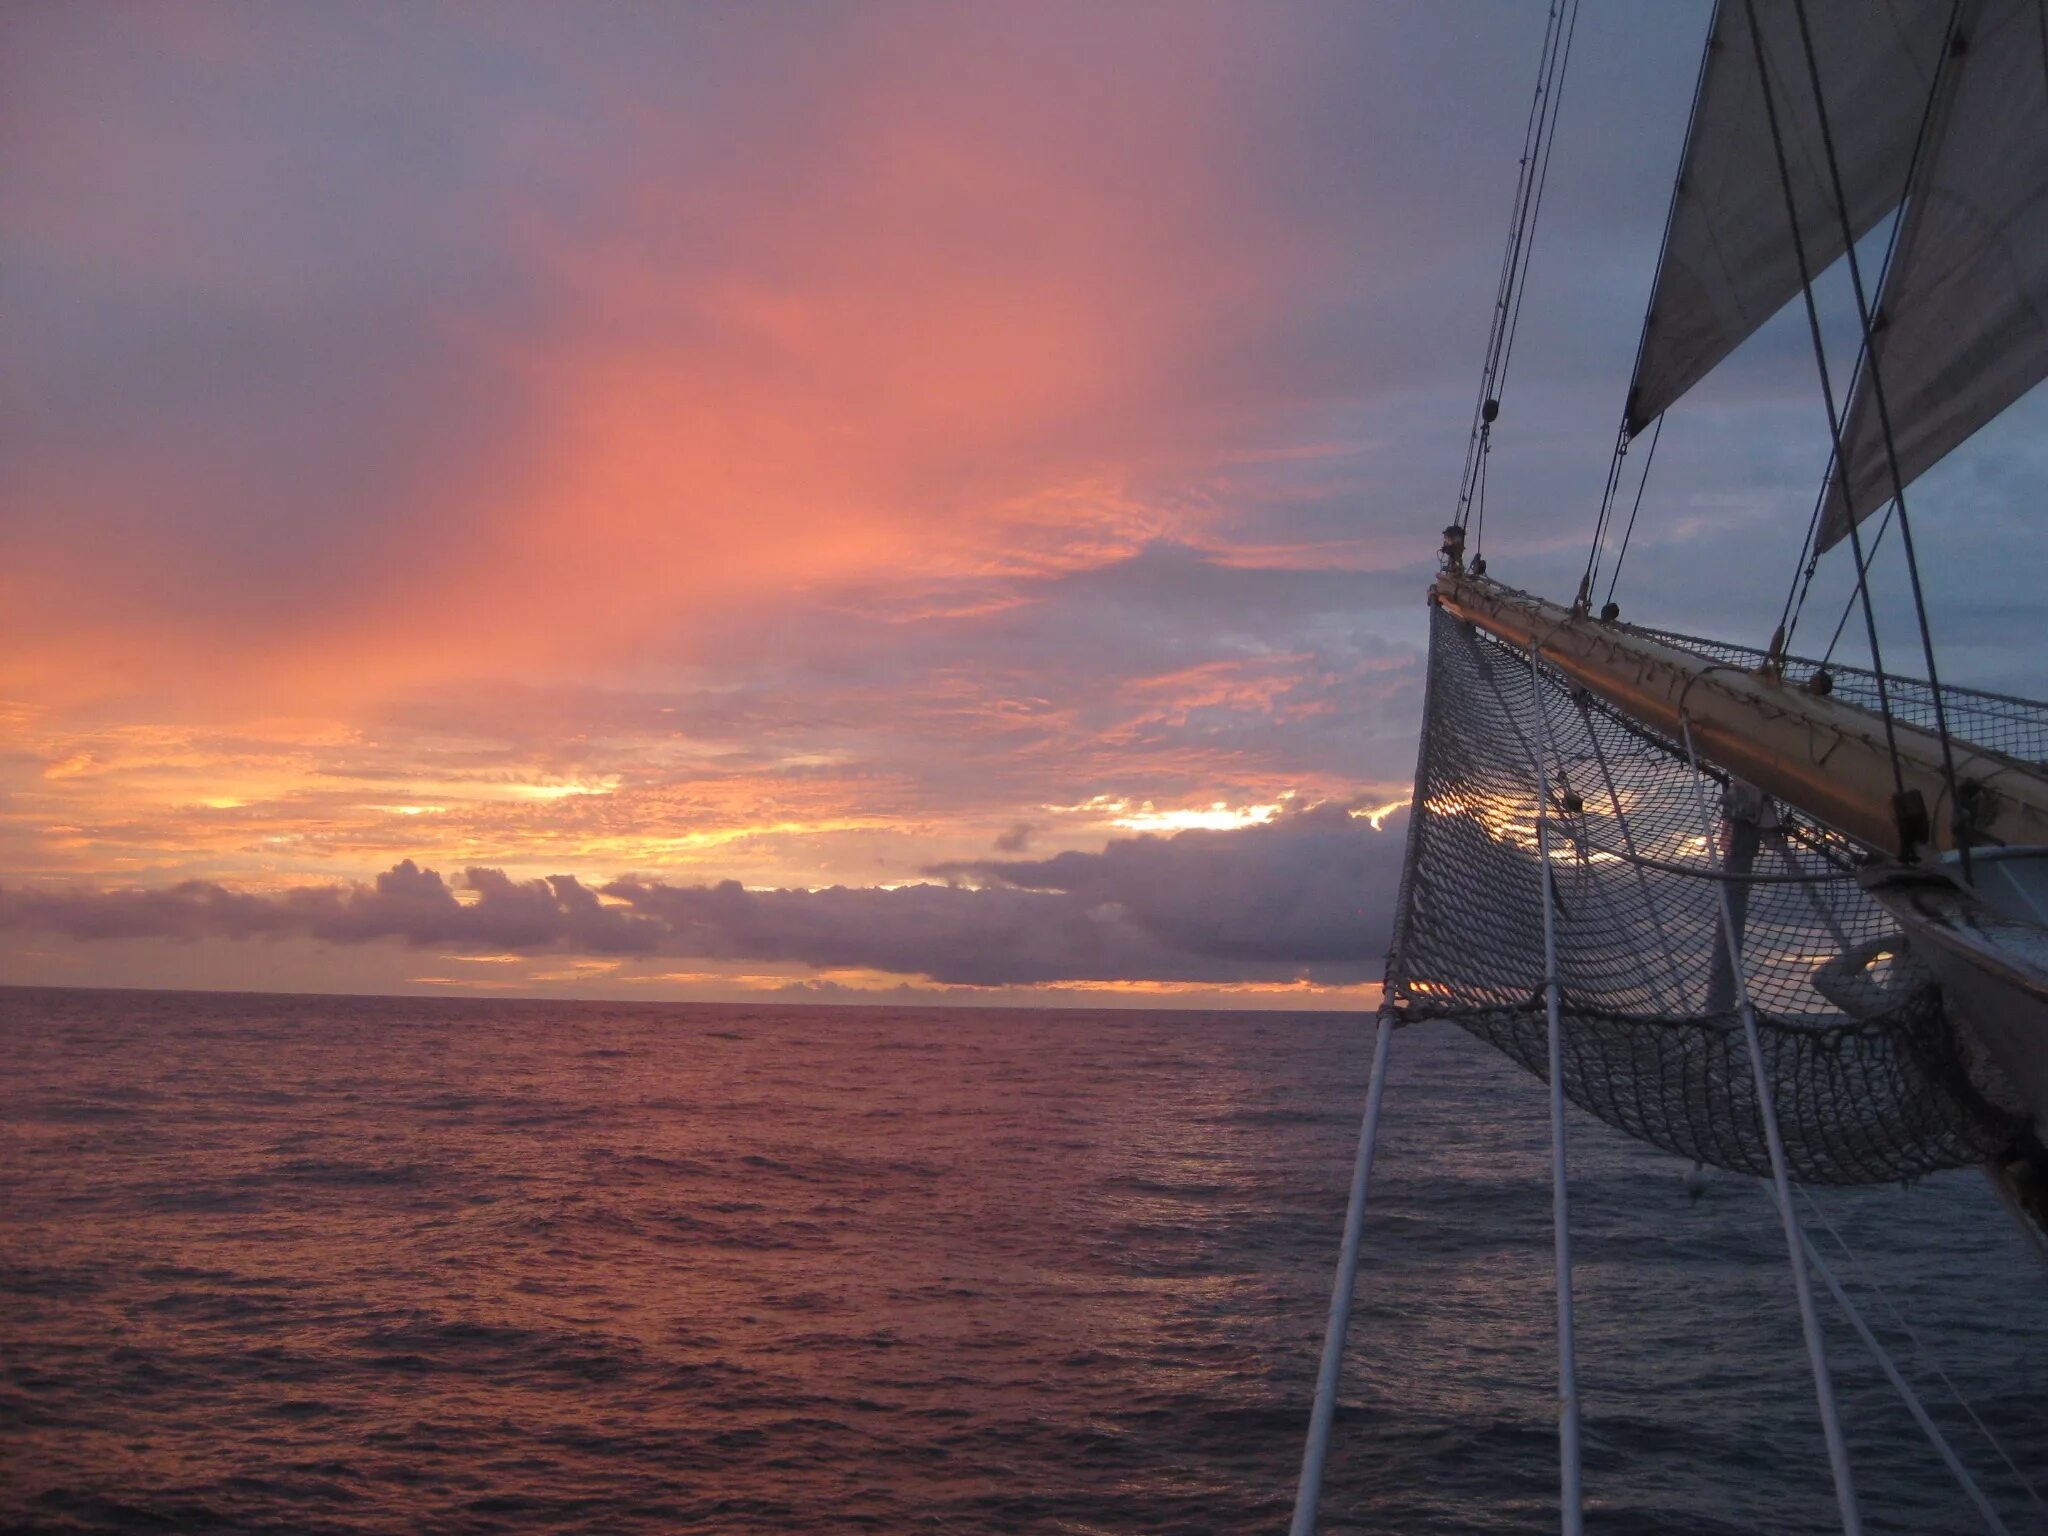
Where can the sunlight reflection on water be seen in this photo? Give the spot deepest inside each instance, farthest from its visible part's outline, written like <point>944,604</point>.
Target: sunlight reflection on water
<point>363,1265</point>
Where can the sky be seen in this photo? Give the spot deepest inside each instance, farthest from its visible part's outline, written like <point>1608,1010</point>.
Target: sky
<point>884,501</point>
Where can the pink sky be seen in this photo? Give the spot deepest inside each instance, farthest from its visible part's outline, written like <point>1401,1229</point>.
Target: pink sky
<point>866,447</point>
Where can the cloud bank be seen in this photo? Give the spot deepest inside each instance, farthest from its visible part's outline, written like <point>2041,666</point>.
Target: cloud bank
<point>868,454</point>
<point>1305,896</point>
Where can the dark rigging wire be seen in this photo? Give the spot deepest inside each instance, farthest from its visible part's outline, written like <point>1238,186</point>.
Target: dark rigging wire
<point>1809,553</point>
<point>1517,225</point>
<point>1606,510</point>
<point>1849,607</point>
<point>1479,532</point>
<point>1486,406</point>
<point>1622,437</point>
<point>1627,533</point>
<point>1884,526</point>
<point>1539,138</point>
<point>1827,388</point>
<point>1564,59</point>
<point>1958,823</point>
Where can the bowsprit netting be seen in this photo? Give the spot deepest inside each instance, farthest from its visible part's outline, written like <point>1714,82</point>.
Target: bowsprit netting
<point>1870,1082</point>
<point>1994,722</point>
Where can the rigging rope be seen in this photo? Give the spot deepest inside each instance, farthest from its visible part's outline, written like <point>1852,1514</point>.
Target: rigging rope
<point>1900,1385</point>
<point>1564,56</point>
<point>1571,1500</point>
<point>1849,607</point>
<point>1322,1414</point>
<point>1920,1350</point>
<point>1788,617</point>
<point>1827,391</point>
<point>1797,877</point>
<point>1802,579</point>
<point>1795,1240</point>
<point>1891,452</point>
<point>1622,438</point>
<point>1539,136</point>
<point>1629,532</point>
<point>1308,1491</point>
<point>1600,519</point>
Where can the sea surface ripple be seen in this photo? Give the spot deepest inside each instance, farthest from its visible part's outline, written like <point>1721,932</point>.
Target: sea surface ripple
<point>310,1265</point>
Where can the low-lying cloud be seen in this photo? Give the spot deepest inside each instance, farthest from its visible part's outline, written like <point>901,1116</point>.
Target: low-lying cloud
<point>1306,896</point>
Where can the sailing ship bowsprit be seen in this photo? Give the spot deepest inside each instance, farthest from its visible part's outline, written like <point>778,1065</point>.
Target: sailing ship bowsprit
<point>1783,917</point>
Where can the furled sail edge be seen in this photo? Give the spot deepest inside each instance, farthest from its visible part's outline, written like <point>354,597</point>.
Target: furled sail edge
<point>1962,325</point>
<point>1729,262</point>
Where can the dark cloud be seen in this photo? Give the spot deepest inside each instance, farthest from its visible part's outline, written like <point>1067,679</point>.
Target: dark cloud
<point>1304,896</point>
<point>406,903</point>
<point>1309,887</point>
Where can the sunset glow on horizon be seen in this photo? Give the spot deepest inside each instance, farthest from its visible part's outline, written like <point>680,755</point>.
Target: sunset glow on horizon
<point>680,448</point>
<point>857,497</point>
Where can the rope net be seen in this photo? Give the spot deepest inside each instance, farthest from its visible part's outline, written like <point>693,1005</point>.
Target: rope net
<point>1995,722</point>
<point>1870,1082</point>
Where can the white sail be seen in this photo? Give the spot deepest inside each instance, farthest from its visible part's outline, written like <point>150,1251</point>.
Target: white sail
<point>1963,321</point>
<point>1729,260</point>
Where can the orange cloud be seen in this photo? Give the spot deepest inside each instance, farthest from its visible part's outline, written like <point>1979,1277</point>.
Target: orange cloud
<point>803,473</point>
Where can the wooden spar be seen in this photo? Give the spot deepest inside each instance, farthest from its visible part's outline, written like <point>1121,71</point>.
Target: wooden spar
<point>1825,757</point>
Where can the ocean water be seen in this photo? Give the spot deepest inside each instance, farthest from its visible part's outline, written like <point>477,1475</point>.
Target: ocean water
<point>377,1265</point>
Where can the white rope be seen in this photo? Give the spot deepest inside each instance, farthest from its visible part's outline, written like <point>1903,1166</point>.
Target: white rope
<point>1809,1320</point>
<point>1570,1494</point>
<point>1310,1489</point>
<point>1905,1391</point>
<point>1926,1357</point>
